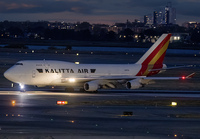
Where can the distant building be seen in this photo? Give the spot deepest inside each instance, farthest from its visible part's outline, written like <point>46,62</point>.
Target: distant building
<point>170,14</point>
<point>173,16</point>
<point>167,15</point>
<point>178,37</point>
<point>160,17</point>
<point>193,25</point>
<point>155,17</point>
<point>148,19</point>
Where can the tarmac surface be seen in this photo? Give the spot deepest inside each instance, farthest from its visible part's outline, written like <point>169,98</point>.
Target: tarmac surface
<point>105,114</point>
<point>143,113</point>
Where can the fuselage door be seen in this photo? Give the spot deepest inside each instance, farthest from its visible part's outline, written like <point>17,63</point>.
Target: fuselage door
<point>33,73</point>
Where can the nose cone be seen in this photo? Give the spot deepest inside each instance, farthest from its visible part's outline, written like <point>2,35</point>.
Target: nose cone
<point>8,75</point>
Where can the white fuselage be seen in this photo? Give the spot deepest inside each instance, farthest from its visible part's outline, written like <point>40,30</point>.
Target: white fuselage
<point>60,73</point>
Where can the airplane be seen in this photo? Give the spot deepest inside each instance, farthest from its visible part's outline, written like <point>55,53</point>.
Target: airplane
<point>92,77</point>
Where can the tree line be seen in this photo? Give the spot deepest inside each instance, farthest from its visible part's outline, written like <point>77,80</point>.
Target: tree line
<point>87,32</point>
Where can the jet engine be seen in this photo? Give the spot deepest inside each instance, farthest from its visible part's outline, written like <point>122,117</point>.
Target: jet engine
<point>91,86</point>
<point>133,84</point>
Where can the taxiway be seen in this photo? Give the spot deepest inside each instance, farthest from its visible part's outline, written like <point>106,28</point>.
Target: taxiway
<point>102,114</point>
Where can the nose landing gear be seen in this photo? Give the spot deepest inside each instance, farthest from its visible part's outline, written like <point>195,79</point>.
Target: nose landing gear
<point>22,88</point>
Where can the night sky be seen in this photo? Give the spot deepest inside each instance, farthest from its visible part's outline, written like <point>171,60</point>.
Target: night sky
<point>94,11</point>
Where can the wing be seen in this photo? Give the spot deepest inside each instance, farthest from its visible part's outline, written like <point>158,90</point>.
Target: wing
<point>91,78</point>
<point>100,81</point>
<point>118,81</point>
<point>122,77</point>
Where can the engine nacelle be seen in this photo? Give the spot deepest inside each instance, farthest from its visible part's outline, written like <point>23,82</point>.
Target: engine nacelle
<point>91,86</point>
<point>133,84</point>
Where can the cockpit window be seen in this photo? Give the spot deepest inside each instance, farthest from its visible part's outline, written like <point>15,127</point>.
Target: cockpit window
<point>19,64</point>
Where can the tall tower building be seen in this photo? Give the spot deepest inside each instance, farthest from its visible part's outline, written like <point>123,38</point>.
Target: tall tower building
<point>170,14</point>
<point>148,19</point>
<point>160,17</point>
<point>145,19</point>
<point>166,16</point>
<point>155,17</point>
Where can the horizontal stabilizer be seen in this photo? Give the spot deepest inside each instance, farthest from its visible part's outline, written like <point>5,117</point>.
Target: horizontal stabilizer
<point>167,68</point>
<point>170,78</point>
<point>190,76</point>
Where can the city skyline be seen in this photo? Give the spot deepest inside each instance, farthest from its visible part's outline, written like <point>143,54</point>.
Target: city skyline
<point>93,11</point>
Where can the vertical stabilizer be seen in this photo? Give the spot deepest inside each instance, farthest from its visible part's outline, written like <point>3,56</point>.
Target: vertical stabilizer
<point>153,58</point>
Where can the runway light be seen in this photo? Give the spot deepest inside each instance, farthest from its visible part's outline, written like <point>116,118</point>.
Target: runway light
<point>62,102</point>
<point>175,135</point>
<point>13,102</point>
<point>77,54</point>
<point>174,104</point>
